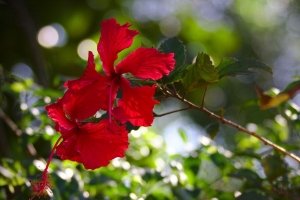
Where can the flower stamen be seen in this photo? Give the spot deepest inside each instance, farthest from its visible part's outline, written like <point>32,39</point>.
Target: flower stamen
<point>41,187</point>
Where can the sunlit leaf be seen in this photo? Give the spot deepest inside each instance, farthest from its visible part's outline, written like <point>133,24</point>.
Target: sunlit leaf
<point>183,135</point>
<point>200,74</point>
<point>209,172</point>
<point>222,112</point>
<point>18,87</point>
<point>192,165</point>
<point>48,92</point>
<point>11,188</point>
<point>233,67</point>
<point>266,101</point>
<point>2,181</point>
<point>228,185</point>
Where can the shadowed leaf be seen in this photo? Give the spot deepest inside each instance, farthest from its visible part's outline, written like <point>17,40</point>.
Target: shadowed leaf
<point>233,67</point>
<point>175,46</point>
<point>212,130</point>
<point>274,167</point>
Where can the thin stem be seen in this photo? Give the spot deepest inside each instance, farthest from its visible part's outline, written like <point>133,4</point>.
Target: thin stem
<point>51,155</point>
<point>175,90</point>
<point>183,96</point>
<point>171,112</point>
<point>202,103</point>
<point>238,127</point>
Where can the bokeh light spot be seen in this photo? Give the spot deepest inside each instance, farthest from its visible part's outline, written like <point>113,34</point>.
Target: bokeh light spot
<point>252,127</point>
<point>39,164</point>
<point>144,151</point>
<point>52,35</point>
<point>170,26</point>
<point>215,98</point>
<point>160,164</point>
<point>34,111</point>
<point>204,140</point>
<point>125,165</point>
<point>85,194</point>
<point>23,106</point>
<point>47,99</point>
<point>85,46</point>
<point>29,131</point>
<point>49,130</point>
<point>48,36</point>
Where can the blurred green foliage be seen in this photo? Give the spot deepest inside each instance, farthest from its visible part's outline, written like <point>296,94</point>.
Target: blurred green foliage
<point>232,166</point>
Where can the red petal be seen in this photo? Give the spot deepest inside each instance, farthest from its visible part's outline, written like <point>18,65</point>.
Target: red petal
<point>85,102</point>
<point>147,63</point>
<point>114,38</point>
<point>95,144</point>
<point>57,113</point>
<point>90,75</point>
<point>136,105</point>
<point>66,150</point>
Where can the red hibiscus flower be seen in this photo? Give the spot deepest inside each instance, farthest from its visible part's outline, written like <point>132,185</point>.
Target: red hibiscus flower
<point>137,103</point>
<point>92,144</point>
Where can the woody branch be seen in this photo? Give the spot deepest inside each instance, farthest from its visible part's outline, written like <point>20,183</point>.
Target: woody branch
<point>223,120</point>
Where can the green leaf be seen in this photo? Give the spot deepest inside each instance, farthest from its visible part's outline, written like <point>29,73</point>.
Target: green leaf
<point>174,45</point>
<point>252,195</point>
<point>274,167</point>
<point>247,154</point>
<point>144,44</point>
<point>48,92</point>
<point>11,188</point>
<point>233,67</point>
<point>222,112</point>
<point>3,181</point>
<point>183,135</point>
<point>250,176</point>
<point>200,74</point>
<point>175,75</point>
<point>291,86</point>
<point>213,129</point>
<point>18,87</point>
